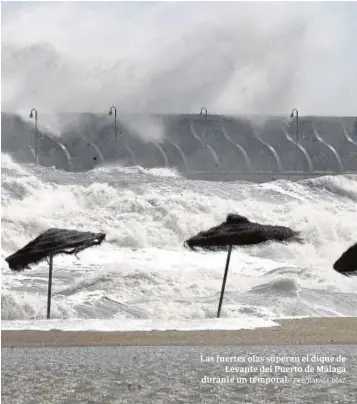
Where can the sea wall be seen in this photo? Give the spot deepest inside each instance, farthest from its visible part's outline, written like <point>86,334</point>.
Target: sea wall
<point>212,147</point>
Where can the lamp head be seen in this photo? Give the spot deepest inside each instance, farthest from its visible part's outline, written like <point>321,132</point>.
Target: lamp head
<point>111,110</point>
<point>31,115</point>
<point>294,112</point>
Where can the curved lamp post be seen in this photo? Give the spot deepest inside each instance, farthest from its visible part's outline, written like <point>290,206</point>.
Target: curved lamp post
<point>203,111</point>
<point>33,113</point>
<point>295,114</point>
<point>113,107</point>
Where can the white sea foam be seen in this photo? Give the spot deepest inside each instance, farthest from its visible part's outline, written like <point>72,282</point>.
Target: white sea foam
<point>138,325</point>
<point>142,272</point>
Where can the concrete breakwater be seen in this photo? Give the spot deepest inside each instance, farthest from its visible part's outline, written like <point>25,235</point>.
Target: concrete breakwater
<point>213,147</point>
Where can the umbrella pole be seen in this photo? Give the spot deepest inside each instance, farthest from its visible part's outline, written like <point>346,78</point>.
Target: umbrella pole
<point>49,287</point>
<point>224,281</point>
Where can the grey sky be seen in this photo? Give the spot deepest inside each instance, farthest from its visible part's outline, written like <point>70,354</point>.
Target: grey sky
<point>176,57</point>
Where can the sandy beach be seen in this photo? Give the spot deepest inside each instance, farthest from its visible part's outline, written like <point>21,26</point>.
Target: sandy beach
<point>309,331</point>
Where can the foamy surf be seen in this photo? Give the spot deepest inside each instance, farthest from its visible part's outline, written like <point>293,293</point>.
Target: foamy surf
<point>137,325</point>
<point>143,273</point>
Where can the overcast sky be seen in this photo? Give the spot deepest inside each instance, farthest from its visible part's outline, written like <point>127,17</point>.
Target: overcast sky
<point>179,56</point>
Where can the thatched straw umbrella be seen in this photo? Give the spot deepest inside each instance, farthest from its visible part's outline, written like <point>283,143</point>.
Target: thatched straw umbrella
<point>48,244</point>
<point>347,263</point>
<point>238,231</point>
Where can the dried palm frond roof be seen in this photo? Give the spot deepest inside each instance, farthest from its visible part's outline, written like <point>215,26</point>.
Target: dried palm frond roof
<point>239,231</point>
<point>347,263</point>
<point>53,242</point>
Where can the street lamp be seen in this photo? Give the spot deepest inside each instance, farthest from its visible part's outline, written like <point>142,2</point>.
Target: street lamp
<point>33,113</point>
<point>113,107</point>
<point>203,110</point>
<point>295,113</point>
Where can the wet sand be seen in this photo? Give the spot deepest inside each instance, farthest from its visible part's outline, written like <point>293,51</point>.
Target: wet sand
<point>310,331</point>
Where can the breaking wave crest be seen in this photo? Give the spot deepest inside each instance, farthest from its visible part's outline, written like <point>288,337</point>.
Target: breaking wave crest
<point>142,271</point>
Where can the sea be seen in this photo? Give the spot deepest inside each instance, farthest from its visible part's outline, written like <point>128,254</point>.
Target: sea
<point>142,277</point>
<point>175,72</point>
